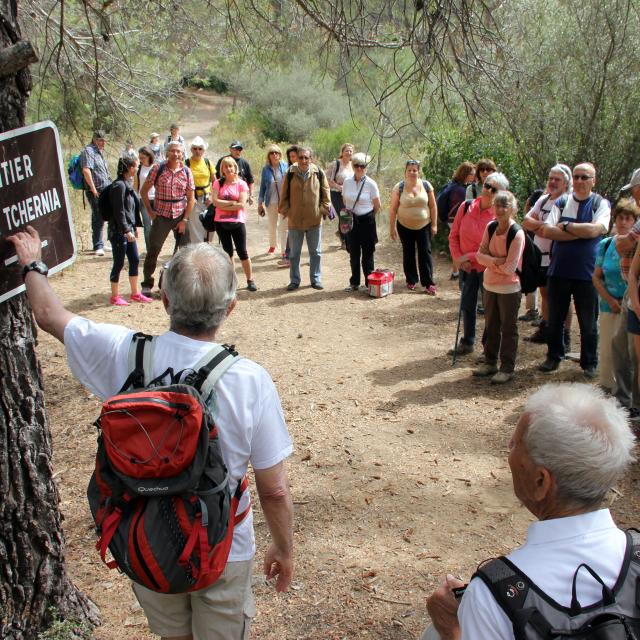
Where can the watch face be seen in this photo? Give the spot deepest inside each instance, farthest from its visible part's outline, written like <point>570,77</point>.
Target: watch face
<point>40,267</point>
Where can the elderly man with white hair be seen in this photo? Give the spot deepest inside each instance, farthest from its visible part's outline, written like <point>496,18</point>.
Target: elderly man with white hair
<point>172,206</point>
<point>569,448</point>
<point>199,293</point>
<point>203,177</point>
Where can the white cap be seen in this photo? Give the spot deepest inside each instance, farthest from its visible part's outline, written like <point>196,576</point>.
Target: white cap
<point>199,142</point>
<point>635,180</point>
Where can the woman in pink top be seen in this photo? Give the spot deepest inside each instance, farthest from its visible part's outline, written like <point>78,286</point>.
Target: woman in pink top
<point>464,240</point>
<point>501,253</point>
<point>229,195</point>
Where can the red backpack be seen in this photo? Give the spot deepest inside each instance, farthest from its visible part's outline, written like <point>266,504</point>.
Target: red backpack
<point>160,493</point>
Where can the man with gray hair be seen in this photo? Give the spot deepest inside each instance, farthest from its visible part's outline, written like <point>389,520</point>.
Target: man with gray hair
<point>576,224</point>
<point>172,206</point>
<point>305,203</point>
<point>199,293</point>
<point>569,448</point>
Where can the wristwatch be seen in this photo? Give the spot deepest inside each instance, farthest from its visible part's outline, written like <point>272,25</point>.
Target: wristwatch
<point>40,267</point>
<point>564,226</point>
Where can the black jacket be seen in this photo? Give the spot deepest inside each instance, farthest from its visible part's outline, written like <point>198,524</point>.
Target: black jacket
<point>125,207</point>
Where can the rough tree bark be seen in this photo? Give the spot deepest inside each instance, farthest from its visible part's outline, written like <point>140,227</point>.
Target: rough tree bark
<point>34,585</point>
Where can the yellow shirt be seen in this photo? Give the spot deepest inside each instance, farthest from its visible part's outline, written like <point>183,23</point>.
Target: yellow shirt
<point>201,176</point>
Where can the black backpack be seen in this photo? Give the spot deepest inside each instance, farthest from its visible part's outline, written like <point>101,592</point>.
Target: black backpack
<point>531,257</point>
<point>160,493</point>
<point>535,616</point>
<point>104,202</point>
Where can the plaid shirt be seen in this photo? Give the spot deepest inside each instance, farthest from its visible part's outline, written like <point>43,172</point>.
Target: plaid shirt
<point>171,190</point>
<point>91,158</point>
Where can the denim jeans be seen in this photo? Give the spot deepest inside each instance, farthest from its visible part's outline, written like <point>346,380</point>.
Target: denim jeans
<point>585,299</point>
<point>314,245</point>
<point>97,223</point>
<point>470,283</point>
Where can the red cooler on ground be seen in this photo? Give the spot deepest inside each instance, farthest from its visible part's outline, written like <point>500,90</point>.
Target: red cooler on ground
<point>380,283</point>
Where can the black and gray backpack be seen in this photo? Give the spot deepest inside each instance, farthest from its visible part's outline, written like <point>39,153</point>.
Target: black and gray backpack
<point>536,616</point>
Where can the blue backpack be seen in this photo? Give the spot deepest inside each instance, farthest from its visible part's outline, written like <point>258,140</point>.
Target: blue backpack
<point>74,170</point>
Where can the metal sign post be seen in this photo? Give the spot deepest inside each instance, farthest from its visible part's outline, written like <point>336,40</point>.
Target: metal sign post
<point>33,191</point>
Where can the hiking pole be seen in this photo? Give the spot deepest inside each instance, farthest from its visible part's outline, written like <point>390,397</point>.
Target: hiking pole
<point>455,345</point>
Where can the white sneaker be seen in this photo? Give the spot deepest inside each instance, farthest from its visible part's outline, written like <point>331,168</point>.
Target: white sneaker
<point>100,252</point>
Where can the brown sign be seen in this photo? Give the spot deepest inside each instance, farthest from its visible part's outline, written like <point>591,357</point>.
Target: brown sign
<point>33,191</point>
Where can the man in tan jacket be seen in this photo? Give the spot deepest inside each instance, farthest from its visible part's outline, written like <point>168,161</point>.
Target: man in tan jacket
<point>304,203</point>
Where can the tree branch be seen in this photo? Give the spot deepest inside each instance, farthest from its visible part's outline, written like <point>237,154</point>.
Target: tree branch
<point>16,57</point>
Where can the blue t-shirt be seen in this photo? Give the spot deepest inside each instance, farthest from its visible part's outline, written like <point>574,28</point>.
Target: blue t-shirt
<point>608,260</point>
<point>576,259</point>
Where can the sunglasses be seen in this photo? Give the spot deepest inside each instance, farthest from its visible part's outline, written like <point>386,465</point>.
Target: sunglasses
<point>304,157</point>
<point>198,148</point>
<point>412,162</point>
<point>274,153</point>
<point>359,166</point>
<point>583,176</point>
<point>490,187</point>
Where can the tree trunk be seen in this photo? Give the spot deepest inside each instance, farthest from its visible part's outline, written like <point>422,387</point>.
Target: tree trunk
<point>34,586</point>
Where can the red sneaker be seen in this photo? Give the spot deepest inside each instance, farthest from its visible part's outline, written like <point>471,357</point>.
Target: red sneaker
<point>271,250</point>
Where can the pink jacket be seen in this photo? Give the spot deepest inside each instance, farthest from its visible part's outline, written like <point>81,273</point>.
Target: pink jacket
<point>466,232</point>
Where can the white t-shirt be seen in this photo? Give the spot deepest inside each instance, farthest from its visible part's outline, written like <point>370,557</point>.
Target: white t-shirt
<point>550,557</point>
<point>246,406</point>
<point>142,176</point>
<point>540,212</point>
<point>350,190</point>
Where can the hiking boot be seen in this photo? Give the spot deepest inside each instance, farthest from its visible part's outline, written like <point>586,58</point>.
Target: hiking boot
<point>146,292</point>
<point>501,377</point>
<point>485,370</point>
<point>462,350</point>
<point>251,285</point>
<point>351,287</point>
<point>317,285</point>
<point>531,315</point>
<point>549,365</point>
<point>539,337</point>
<point>292,286</point>
<point>590,372</point>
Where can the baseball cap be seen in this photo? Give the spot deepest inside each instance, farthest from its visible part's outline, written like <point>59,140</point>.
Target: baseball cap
<point>236,144</point>
<point>635,180</point>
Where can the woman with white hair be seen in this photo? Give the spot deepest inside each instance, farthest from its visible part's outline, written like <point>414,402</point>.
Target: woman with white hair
<point>500,252</point>
<point>273,172</point>
<point>203,175</point>
<point>558,183</point>
<point>362,197</point>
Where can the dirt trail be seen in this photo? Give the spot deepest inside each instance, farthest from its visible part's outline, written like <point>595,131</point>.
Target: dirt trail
<point>399,472</point>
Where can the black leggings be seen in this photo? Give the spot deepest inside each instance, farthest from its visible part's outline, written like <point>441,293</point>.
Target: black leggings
<point>233,233</point>
<point>362,242</point>
<point>120,248</point>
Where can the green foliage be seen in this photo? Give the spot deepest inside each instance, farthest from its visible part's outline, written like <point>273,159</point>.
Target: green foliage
<point>211,81</point>
<point>290,105</point>
<point>326,143</point>
<point>448,147</point>
<point>69,629</point>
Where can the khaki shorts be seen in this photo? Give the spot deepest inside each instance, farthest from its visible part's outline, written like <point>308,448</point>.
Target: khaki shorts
<point>222,611</point>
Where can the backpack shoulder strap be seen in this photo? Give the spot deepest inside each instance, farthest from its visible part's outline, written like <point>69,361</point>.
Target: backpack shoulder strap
<point>209,369</point>
<point>510,587</point>
<point>188,162</point>
<point>491,228</point>
<point>161,168</point>
<point>401,187</point>
<point>596,202</point>
<point>562,202</point>
<point>467,204</point>
<point>140,361</point>
<point>511,234</point>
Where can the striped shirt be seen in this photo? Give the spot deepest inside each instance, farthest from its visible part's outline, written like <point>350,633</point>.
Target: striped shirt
<point>172,187</point>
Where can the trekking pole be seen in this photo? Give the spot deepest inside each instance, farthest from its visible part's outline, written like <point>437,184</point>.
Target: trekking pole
<point>455,345</point>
